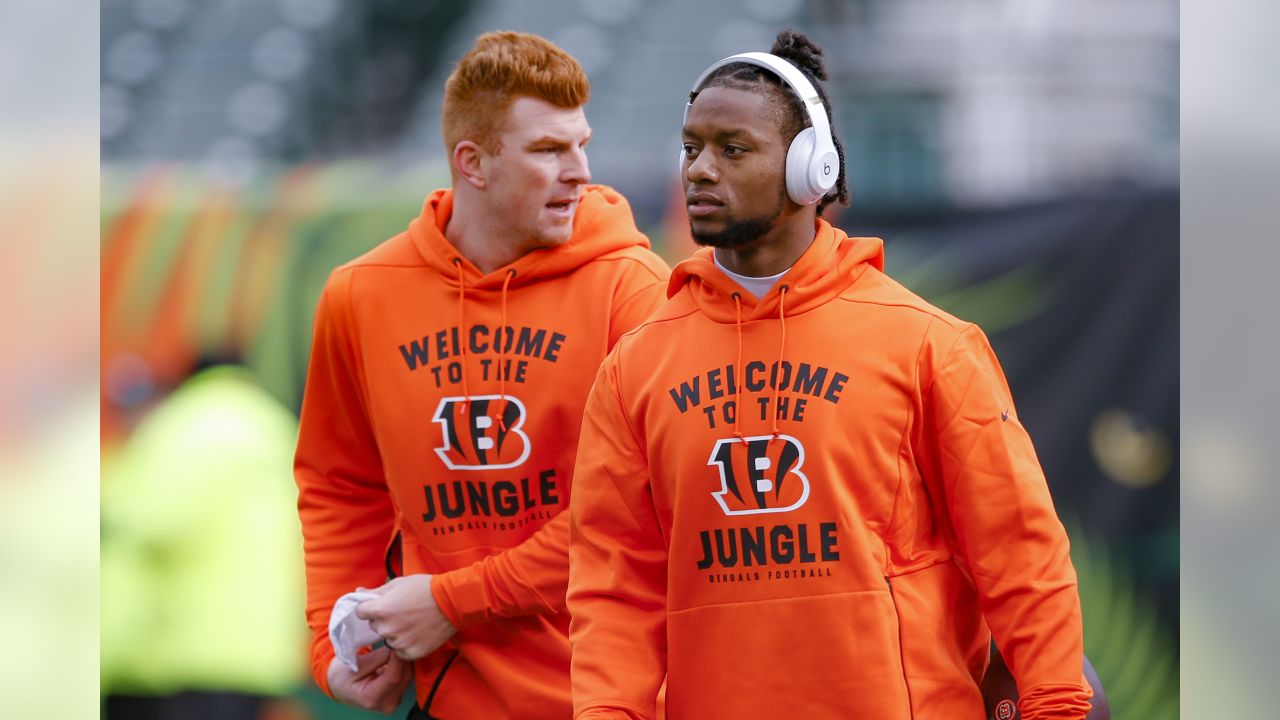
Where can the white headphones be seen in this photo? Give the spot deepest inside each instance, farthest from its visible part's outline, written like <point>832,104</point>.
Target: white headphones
<point>812,162</point>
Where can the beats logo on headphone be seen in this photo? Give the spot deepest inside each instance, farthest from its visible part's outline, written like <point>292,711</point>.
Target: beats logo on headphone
<point>812,162</point>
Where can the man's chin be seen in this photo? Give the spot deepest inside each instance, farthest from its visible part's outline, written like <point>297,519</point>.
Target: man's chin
<point>727,232</point>
<point>719,238</point>
<point>707,234</point>
<point>555,236</point>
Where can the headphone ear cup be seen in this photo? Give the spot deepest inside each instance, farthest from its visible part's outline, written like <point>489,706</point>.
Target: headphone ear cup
<point>799,161</point>
<point>824,171</point>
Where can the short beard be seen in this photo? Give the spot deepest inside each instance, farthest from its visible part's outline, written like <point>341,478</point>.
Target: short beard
<point>738,233</point>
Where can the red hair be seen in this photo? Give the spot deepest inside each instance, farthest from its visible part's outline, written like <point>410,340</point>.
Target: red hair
<point>500,67</point>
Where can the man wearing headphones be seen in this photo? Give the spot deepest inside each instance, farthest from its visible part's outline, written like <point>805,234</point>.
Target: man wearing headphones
<point>801,490</point>
<point>448,372</point>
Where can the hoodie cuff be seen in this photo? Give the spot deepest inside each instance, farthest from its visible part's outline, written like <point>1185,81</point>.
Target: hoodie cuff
<point>460,596</point>
<point>321,658</point>
<point>1049,702</point>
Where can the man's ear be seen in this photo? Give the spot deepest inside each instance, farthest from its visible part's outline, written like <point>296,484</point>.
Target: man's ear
<point>468,161</point>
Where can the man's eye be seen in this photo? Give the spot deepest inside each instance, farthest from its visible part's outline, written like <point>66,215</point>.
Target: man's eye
<point>734,150</point>
<point>689,150</point>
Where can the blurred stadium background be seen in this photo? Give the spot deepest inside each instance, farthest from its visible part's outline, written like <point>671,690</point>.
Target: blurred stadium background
<point>1020,157</point>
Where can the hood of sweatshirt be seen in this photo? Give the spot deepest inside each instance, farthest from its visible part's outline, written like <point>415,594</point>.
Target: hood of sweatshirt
<point>603,224</point>
<point>833,262</point>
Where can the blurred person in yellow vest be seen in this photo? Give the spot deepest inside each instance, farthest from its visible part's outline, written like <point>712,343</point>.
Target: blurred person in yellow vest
<point>202,555</point>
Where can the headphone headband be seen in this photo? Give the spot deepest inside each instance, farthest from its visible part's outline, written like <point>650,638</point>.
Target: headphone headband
<point>790,75</point>
<point>813,164</point>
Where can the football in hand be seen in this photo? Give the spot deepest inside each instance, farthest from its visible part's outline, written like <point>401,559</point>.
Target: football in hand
<point>1000,692</point>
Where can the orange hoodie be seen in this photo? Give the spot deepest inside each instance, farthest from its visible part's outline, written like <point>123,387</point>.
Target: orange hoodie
<point>390,444</point>
<point>839,548</point>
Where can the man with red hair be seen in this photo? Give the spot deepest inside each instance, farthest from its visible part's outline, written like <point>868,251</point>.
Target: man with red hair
<point>448,373</point>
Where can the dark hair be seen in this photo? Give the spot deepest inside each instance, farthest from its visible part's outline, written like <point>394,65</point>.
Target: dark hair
<point>790,115</point>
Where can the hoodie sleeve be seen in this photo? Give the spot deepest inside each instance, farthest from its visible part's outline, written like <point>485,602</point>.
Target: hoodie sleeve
<point>617,567</point>
<point>343,501</point>
<point>986,482</point>
<point>524,580</point>
<point>531,577</point>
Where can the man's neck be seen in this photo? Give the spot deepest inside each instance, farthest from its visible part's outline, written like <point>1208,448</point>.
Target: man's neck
<point>478,236</point>
<point>774,252</point>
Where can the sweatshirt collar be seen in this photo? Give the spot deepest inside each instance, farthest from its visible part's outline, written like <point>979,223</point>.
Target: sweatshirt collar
<point>832,263</point>
<point>602,224</point>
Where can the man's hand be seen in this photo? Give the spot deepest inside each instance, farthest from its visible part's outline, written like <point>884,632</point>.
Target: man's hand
<point>406,616</point>
<point>377,685</point>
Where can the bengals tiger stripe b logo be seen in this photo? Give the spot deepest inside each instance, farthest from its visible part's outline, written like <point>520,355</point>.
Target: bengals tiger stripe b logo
<point>760,474</point>
<point>473,437</point>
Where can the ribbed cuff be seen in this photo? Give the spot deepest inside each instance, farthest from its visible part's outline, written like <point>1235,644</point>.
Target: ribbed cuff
<point>1055,701</point>
<point>320,660</point>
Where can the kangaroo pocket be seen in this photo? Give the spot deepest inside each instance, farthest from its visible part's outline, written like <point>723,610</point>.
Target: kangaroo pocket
<point>829,656</point>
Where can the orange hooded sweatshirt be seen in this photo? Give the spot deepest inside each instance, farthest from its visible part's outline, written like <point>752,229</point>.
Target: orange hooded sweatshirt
<point>838,548</point>
<point>390,446</point>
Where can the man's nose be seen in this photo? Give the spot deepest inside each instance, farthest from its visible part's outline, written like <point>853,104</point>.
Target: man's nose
<point>702,169</point>
<point>576,168</point>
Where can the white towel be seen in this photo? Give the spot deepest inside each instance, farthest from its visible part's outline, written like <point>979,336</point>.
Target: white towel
<point>347,632</point>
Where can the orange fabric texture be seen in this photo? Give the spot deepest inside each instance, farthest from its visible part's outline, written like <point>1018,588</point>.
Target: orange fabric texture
<point>474,481</point>
<point>840,547</point>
